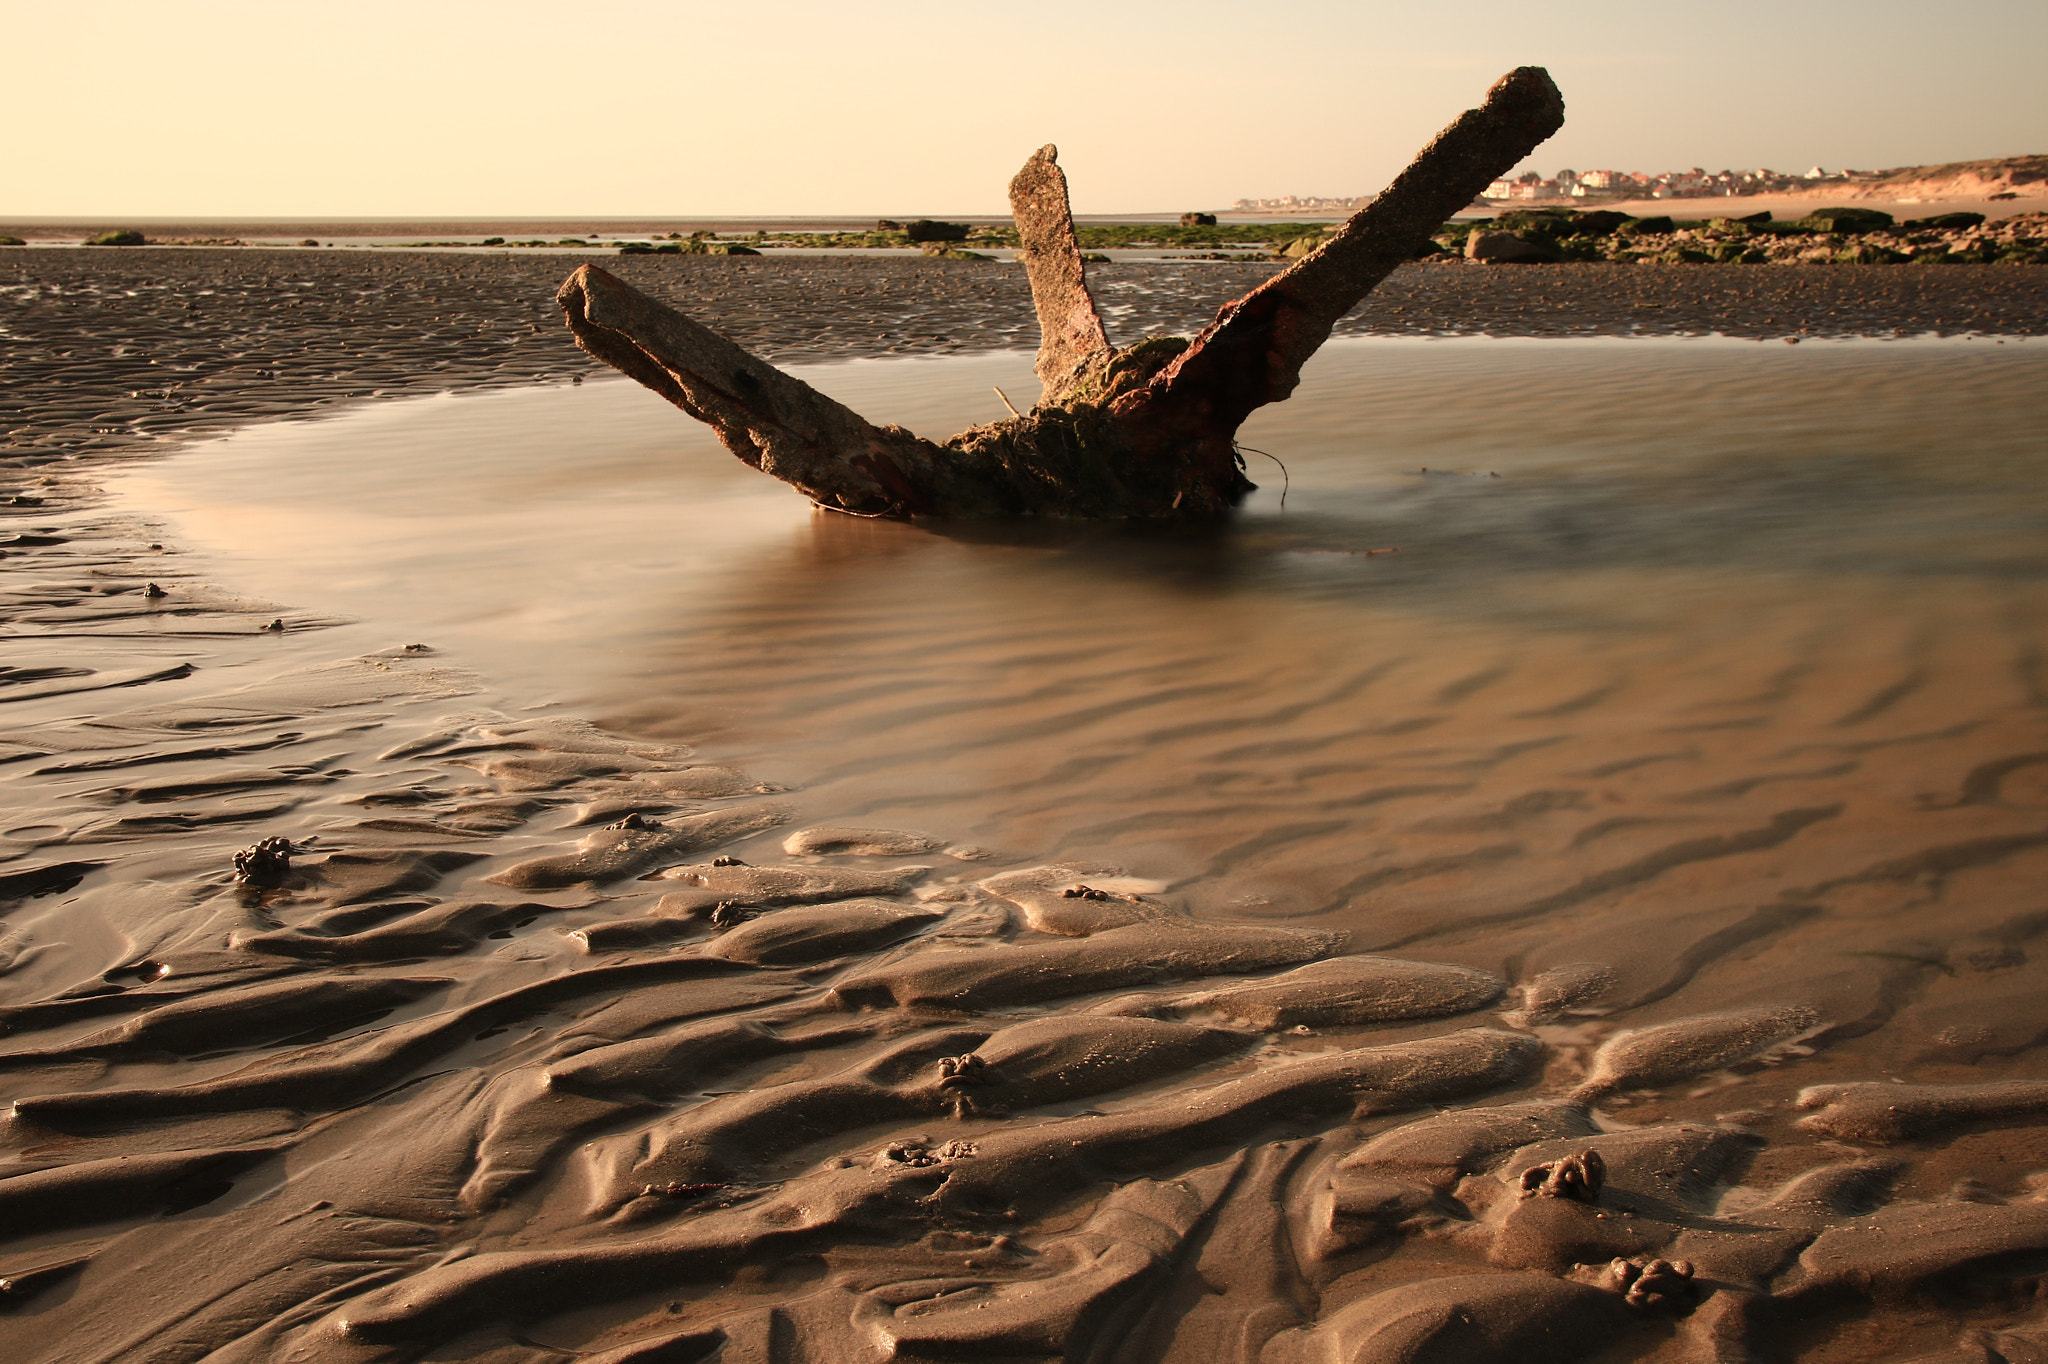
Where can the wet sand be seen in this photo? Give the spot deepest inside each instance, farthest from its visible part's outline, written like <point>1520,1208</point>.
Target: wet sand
<point>111,349</point>
<point>1300,919</point>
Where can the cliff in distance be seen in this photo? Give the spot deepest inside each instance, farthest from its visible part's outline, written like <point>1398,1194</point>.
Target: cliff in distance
<point>2024,177</point>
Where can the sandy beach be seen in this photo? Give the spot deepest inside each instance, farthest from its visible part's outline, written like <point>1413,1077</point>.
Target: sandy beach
<point>1565,888</point>
<point>113,349</point>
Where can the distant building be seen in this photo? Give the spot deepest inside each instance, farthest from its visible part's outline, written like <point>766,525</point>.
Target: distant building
<point>1695,183</point>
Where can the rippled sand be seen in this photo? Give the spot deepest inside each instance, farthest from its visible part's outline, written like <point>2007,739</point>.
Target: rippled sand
<point>1145,945</point>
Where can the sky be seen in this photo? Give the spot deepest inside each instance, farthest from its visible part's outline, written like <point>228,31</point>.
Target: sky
<point>449,108</point>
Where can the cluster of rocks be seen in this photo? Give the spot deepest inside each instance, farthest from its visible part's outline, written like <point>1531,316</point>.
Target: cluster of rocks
<point>920,230</point>
<point>1849,236</point>
<point>696,244</point>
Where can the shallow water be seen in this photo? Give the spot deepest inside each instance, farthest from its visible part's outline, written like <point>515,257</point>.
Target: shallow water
<point>1591,550</point>
<point>1653,680</point>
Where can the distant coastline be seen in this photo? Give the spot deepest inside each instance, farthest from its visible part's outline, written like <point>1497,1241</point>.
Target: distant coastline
<point>1998,179</point>
<point>1993,180</point>
<point>1996,187</point>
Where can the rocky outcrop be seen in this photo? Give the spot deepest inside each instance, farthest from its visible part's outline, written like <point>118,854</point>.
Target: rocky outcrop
<point>1845,220</point>
<point>930,230</point>
<point>1508,248</point>
<point>1831,236</point>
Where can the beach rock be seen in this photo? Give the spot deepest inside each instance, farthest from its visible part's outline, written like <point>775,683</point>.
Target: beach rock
<point>1648,227</point>
<point>1945,222</point>
<point>1507,248</point>
<point>123,237</point>
<point>931,230</point>
<point>1542,223</point>
<point>12,241</point>
<point>1198,220</point>
<point>1845,219</point>
<point>1599,222</point>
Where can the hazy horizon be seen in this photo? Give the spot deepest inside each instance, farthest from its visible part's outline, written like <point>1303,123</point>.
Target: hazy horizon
<point>462,110</point>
